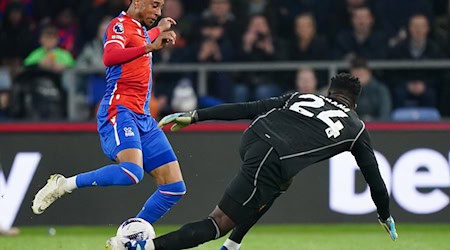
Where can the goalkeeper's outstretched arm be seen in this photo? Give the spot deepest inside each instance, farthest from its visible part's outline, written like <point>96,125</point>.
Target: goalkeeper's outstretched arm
<point>239,111</point>
<point>363,152</point>
<point>225,112</point>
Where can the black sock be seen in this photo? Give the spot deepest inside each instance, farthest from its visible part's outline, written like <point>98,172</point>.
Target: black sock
<point>189,235</point>
<point>242,229</point>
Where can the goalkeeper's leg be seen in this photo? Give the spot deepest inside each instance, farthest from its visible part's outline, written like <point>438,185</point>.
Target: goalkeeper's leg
<point>234,240</point>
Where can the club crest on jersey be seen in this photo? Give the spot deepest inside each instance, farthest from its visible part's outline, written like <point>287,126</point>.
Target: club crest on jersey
<point>118,28</point>
<point>128,132</point>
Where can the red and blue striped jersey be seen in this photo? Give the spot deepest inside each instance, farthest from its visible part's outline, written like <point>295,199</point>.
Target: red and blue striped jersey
<point>128,84</point>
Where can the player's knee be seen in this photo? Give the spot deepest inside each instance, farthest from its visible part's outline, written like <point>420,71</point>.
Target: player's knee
<point>173,191</point>
<point>133,171</point>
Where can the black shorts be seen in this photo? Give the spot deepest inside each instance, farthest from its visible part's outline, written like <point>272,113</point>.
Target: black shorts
<point>258,182</point>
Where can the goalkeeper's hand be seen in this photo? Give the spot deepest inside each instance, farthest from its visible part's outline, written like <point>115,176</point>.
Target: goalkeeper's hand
<point>179,120</point>
<point>389,225</point>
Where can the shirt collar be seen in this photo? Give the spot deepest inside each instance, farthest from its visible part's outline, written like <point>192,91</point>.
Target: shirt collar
<point>135,21</point>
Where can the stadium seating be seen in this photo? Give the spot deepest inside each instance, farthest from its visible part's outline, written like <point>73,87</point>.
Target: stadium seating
<point>416,114</point>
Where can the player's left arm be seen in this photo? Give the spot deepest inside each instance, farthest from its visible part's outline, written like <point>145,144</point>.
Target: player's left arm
<point>363,152</point>
<point>164,24</point>
<point>365,157</point>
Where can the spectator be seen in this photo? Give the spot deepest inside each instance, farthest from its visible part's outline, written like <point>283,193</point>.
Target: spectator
<point>394,16</point>
<point>220,11</point>
<point>15,38</point>
<point>214,46</point>
<point>374,103</point>
<point>286,12</point>
<point>175,9</point>
<point>258,45</point>
<point>307,45</point>
<point>92,54</point>
<point>342,14</point>
<point>362,40</point>
<point>306,81</point>
<point>94,11</point>
<point>91,57</point>
<point>416,92</point>
<point>49,56</point>
<point>47,10</point>
<point>165,83</point>
<point>67,31</point>
<point>37,92</point>
<point>418,45</point>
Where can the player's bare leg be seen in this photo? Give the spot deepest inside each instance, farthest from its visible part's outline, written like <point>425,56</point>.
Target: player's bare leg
<point>133,155</point>
<point>167,173</point>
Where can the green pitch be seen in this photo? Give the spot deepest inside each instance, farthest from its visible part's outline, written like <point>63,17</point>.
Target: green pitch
<point>289,237</point>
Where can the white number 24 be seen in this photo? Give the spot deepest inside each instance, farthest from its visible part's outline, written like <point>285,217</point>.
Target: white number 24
<point>314,101</point>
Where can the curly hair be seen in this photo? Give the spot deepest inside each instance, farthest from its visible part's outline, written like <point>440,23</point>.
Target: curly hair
<point>346,84</point>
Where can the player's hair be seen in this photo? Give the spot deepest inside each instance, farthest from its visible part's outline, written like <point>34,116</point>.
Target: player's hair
<point>358,63</point>
<point>362,7</point>
<point>307,15</point>
<point>346,85</point>
<point>49,30</point>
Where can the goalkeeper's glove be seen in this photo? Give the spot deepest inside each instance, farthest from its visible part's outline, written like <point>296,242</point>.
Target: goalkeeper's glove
<point>180,120</point>
<point>389,225</point>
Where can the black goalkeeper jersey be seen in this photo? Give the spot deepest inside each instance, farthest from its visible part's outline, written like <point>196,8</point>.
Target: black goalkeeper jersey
<point>309,128</point>
<point>313,128</point>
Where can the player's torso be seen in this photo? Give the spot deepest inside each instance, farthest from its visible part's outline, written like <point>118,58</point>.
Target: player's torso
<point>309,125</point>
<point>129,84</point>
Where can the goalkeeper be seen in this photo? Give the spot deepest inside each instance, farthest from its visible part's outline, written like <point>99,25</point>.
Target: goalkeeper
<point>288,133</point>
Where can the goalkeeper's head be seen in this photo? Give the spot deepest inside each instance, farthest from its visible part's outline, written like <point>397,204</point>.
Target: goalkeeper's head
<point>345,88</point>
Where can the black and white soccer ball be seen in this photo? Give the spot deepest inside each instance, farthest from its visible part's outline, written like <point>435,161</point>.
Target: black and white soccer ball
<point>135,229</point>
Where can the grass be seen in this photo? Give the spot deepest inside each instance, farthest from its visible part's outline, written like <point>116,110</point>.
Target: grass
<point>289,237</point>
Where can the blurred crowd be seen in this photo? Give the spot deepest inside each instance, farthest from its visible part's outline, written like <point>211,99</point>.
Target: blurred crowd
<point>40,39</point>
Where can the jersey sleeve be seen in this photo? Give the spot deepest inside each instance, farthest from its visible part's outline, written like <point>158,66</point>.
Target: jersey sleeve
<point>238,111</point>
<point>117,32</point>
<point>116,50</point>
<point>365,158</point>
<point>154,33</point>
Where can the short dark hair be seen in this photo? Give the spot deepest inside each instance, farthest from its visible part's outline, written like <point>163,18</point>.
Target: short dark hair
<point>362,7</point>
<point>345,84</point>
<point>49,30</point>
<point>358,63</point>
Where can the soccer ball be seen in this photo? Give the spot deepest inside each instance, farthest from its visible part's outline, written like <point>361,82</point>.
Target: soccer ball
<point>135,229</point>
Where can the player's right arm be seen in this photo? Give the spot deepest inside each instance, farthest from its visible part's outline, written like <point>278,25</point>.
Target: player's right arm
<point>225,112</point>
<point>365,158</point>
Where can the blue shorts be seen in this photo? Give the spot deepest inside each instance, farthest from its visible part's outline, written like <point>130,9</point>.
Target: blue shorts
<point>131,130</point>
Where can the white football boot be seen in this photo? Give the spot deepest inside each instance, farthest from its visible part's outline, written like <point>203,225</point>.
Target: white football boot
<point>53,190</point>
